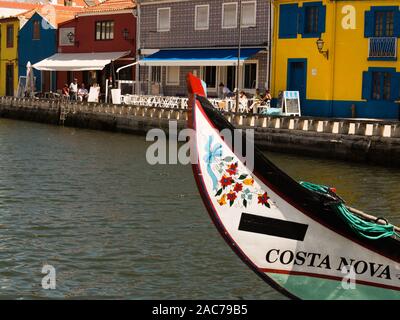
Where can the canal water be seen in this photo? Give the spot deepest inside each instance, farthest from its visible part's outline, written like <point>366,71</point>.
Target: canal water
<point>112,226</point>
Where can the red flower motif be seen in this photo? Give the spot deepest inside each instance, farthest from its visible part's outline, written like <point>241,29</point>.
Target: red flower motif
<point>231,196</point>
<point>238,187</point>
<point>263,199</point>
<point>232,169</point>
<point>226,181</point>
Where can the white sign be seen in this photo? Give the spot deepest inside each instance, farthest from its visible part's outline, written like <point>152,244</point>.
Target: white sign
<point>94,94</point>
<point>116,96</point>
<point>291,103</point>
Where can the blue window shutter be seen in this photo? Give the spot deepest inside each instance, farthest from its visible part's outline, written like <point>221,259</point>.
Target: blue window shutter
<point>288,21</point>
<point>395,87</point>
<point>397,23</point>
<point>369,24</point>
<point>301,19</point>
<point>367,85</point>
<point>321,19</point>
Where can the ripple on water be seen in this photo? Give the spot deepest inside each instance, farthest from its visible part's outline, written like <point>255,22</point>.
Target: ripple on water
<point>114,227</point>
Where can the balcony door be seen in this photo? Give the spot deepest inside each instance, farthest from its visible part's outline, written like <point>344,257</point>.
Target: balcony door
<point>384,24</point>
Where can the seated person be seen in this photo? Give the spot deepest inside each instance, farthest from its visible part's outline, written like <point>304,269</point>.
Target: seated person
<point>82,93</point>
<point>243,102</point>
<point>224,91</point>
<point>65,91</point>
<point>257,100</point>
<point>267,98</point>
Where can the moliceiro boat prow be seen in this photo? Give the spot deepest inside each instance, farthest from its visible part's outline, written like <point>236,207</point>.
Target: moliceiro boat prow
<point>299,237</point>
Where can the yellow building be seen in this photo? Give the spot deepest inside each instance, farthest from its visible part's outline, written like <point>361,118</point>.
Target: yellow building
<point>341,55</point>
<point>9,28</point>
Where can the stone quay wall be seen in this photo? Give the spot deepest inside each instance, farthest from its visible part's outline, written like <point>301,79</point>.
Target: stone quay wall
<point>368,141</point>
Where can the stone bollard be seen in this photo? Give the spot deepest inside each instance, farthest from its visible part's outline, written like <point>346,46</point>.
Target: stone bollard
<point>313,125</point>
<point>361,129</point>
<point>344,127</point>
<point>395,132</point>
<point>284,123</point>
<point>327,126</point>
<point>262,121</point>
<point>378,129</point>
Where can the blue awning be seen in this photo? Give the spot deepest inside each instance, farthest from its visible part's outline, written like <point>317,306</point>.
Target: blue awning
<point>199,57</point>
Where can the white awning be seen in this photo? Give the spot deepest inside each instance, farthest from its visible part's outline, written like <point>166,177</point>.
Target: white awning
<point>78,61</point>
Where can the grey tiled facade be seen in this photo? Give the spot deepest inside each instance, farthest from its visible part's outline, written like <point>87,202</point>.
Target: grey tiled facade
<point>182,34</point>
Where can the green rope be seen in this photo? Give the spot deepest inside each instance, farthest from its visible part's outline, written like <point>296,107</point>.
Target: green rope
<point>366,229</point>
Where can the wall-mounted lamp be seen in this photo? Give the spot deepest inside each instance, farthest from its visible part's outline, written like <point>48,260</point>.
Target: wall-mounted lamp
<point>71,37</point>
<point>320,45</point>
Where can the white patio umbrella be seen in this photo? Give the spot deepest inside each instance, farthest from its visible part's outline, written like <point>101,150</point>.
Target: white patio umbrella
<point>29,85</point>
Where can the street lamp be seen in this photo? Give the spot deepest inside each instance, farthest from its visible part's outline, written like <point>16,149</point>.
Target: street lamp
<point>238,60</point>
<point>320,45</point>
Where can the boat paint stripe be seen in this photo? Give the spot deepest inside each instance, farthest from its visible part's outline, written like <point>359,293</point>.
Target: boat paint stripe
<point>323,276</point>
<point>272,227</point>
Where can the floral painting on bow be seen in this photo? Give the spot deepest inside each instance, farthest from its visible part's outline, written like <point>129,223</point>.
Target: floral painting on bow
<point>230,184</point>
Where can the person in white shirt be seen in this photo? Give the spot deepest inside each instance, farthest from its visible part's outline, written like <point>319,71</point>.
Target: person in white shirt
<point>224,91</point>
<point>73,89</point>
<point>243,102</point>
<point>82,93</point>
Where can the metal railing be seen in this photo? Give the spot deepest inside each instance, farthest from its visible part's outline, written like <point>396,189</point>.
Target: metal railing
<point>382,47</point>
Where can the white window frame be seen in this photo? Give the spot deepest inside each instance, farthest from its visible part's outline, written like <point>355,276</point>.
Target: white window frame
<point>255,14</point>
<point>243,73</point>
<point>161,74</point>
<point>169,19</point>
<point>223,15</point>
<point>167,82</point>
<point>208,16</point>
<point>202,74</point>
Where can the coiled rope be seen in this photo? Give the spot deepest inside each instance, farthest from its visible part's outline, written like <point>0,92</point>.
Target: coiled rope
<point>366,229</point>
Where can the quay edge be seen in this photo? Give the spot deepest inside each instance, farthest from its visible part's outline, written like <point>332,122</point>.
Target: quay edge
<point>366,141</point>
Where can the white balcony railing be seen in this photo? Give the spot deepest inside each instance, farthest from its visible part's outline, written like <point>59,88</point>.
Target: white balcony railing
<point>382,47</point>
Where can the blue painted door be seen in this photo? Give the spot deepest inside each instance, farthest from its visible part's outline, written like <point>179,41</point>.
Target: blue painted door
<point>297,78</point>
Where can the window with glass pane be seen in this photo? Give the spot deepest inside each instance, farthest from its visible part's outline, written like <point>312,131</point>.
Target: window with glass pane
<point>248,14</point>
<point>311,23</point>
<point>36,30</point>
<point>173,75</point>
<point>202,17</point>
<point>384,24</point>
<point>376,86</point>
<point>250,75</point>
<point>229,15</point>
<point>163,21</point>
<point>387,79</point>
<point>381,85</point>
<point>210,76</point>
<point>156,74</point>
<point>10,36</point>
<point>104,30</point>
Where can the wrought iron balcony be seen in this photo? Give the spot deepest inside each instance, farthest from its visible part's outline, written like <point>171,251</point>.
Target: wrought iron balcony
<point>383,47</point>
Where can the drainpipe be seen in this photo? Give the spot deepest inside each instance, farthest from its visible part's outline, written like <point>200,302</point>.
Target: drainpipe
<point>138,47</point>
<point>333,55</point>
<point>269,44</point>
<point>238,56</point>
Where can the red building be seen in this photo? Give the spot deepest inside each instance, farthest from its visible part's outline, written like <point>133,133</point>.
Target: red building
<point>95,44</point>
